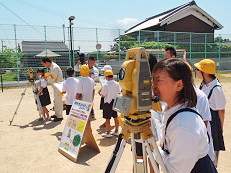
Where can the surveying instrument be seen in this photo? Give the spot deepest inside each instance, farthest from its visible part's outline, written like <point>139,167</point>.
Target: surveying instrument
<point>135,106</point>
<point>31,82</point>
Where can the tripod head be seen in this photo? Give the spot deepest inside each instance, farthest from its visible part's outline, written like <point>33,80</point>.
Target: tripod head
<point>135,80</point>
<point>30,73</point>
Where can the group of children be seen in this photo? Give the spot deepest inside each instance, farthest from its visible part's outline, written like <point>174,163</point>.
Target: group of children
<point>83,89</point>
<point>186,145</point>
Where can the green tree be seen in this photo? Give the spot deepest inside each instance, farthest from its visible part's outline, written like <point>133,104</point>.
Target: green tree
<point>8,58</point>
<point>125,42</point>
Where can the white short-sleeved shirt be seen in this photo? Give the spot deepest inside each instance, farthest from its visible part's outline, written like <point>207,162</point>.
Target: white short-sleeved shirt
<point>85,88</point>
<point>204,110</point>
<point>93,71</point>
<point>70,87</point>
<point>217,100</point>
<point>186,140</point>
<point>41,83</point>
<point>110,90</point>
<point>203,105</point>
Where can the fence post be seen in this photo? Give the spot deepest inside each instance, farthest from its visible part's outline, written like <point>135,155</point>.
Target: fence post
<point>219,53</point>
<point>69,53</point>
<point>190,47</point>
<point>97,53</point>
<point>64,33</point>
<point>174,39</point>
<point>119,49</point>
<point>45,41</point>
<point>73,47</point>
<point>139,39</point>
<point>16,50</point>
<point>205,45</point>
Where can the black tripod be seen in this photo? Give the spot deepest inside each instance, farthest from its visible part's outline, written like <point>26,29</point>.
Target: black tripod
<point>31,82</point>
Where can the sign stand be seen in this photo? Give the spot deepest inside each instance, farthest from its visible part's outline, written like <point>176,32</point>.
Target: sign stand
<point>76,130</point>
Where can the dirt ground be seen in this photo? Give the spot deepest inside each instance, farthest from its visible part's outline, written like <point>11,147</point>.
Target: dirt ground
<point>30,146</point>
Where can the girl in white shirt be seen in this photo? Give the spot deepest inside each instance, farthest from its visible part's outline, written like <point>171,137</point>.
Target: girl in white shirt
<point>43,93</point>
<point>184,145</point>
<point>212,88</point>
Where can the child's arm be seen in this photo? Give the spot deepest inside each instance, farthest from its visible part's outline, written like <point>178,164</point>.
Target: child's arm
<point>93,94</point>
<point>100,91</point>
<point>221,114</point>
<point>40,91</point>
<point>78,96</point>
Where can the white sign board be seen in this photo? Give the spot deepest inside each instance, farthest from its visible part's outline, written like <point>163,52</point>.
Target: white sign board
<point>74,129</point>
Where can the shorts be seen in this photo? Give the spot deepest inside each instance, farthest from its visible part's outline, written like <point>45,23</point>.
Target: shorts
<point>108,112</point>
<point>68,108</point>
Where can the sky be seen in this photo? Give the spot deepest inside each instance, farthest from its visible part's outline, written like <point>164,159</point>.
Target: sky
<point>120,14</point>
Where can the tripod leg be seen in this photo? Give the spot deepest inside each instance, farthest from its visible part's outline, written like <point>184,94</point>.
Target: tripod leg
<point>39,106</point>
<point>24,92</point>
<point>151,157</point>
<point>158,156</point>
<point>116,155</point>
<point>144,157</point>
<point>134,152</point>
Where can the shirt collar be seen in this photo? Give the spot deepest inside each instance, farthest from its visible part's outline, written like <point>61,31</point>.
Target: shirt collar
<point>212,83</point>
<point>172,110</point>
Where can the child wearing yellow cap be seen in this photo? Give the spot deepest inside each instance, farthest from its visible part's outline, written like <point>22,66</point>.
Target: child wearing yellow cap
<point>85,89</point>
<point>206,69</point>
<point>110,91</point>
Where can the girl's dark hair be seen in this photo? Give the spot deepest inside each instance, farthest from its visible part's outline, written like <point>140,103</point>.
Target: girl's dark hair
<point>41,70</point>
<point>179,70</point>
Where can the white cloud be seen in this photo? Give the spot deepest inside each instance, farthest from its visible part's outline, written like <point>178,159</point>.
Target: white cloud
<point>125,21</point>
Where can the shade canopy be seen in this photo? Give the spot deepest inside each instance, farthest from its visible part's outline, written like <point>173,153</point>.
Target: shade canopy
<point>47,53</point>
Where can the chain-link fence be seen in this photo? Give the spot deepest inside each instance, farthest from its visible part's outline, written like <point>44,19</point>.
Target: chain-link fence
<point>24,46</point>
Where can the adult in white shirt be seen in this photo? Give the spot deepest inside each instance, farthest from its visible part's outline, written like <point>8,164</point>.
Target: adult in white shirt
<point>184,145</point>
<point>94,72</point>
<point>70,86</point>
<point>55,76</point>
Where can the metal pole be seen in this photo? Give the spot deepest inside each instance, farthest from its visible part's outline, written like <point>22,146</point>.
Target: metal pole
<point>1,82</point>
<point>190,46</point>
<point>45,34</point>
<point>64,33</point>
<point>205,45</point>
<point>119,51</point>
<point>69,53</point>
<point>73,46</point>
<point>16,47</point>
<point>139,39</point>
<point>219,53</point>
<point>97,53</point>
<point>174,39</point>
<point>2,45</point>
<point>72,65</point>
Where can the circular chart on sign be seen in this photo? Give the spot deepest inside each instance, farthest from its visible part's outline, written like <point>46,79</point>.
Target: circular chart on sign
<point>76,140</point>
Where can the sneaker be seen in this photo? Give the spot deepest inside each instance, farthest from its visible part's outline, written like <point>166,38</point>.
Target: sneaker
<point>40,119</point>
<point>54,116</point>
<point>48,119</point>
<point>115,133</point>
<point>58,119</point>
<point>106,135</point>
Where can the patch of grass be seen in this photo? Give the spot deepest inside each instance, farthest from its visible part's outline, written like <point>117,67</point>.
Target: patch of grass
<point>9,77</point>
